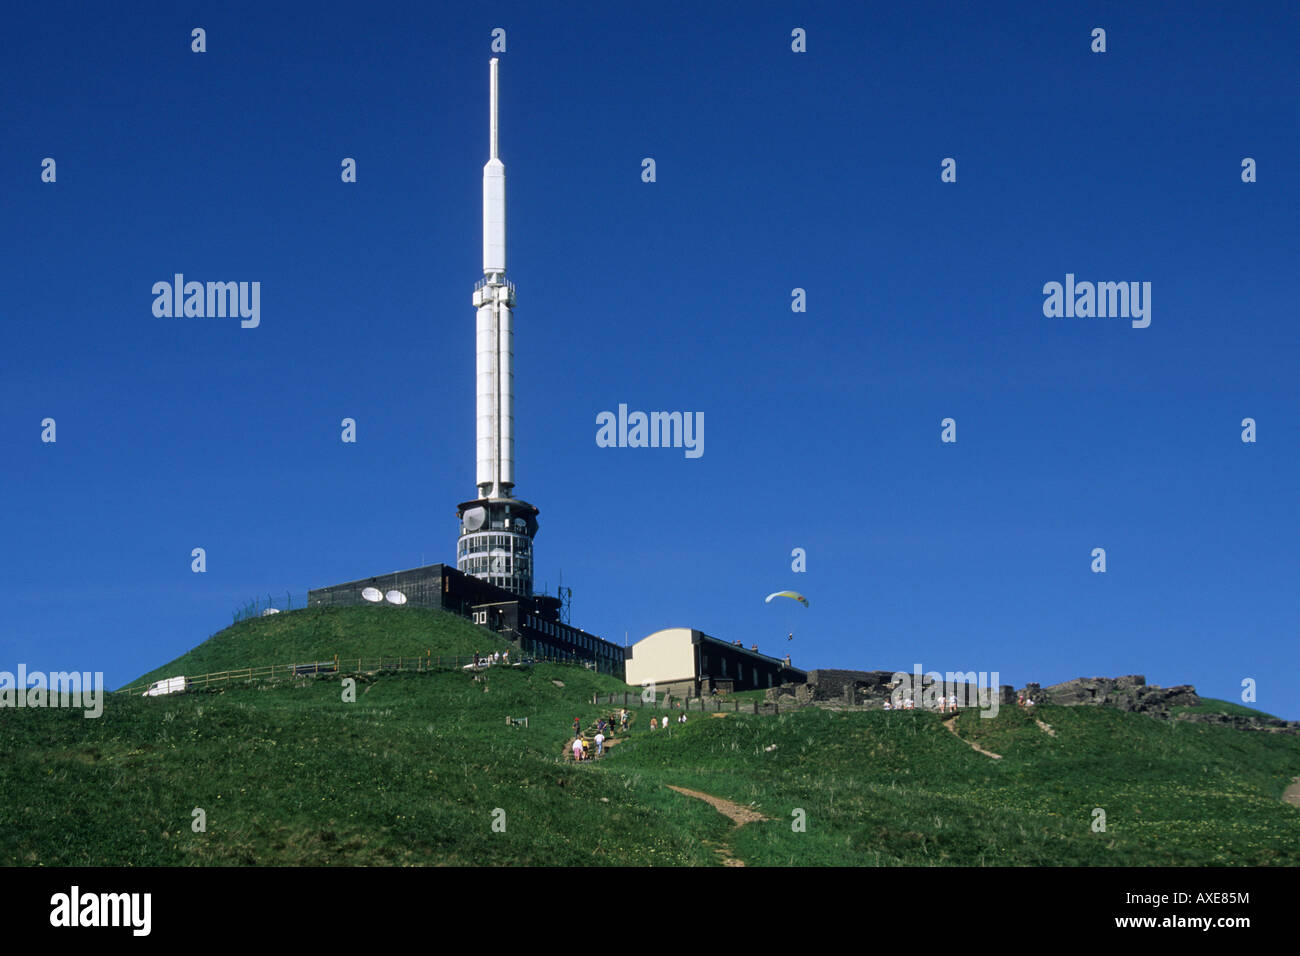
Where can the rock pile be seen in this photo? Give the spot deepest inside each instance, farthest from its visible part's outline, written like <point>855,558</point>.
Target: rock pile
<point>1130,693</point>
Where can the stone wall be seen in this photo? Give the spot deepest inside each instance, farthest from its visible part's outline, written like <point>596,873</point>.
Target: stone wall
<point>868,689</point>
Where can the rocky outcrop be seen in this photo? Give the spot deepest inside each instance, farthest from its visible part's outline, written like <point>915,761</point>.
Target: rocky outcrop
<point>1129,693</point>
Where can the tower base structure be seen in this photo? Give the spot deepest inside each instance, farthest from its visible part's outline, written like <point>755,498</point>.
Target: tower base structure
<point>533,624</point>
<point>496,542</point>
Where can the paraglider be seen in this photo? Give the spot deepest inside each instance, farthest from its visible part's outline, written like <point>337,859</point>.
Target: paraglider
<point>790,612</point>
<point>792,595</point>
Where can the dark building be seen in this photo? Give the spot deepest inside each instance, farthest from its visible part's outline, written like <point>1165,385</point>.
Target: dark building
<point>688,663</point>
<point>533,622</point>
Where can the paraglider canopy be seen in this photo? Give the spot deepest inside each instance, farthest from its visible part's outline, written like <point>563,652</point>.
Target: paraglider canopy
<point>792,595</point>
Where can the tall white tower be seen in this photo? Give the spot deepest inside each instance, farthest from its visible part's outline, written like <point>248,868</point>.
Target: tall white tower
<point>496,529</point>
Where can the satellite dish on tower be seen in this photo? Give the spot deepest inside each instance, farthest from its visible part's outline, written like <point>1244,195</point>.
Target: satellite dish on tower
<point>395,597</point>
<point>475,518</point>
<point>372,595</point>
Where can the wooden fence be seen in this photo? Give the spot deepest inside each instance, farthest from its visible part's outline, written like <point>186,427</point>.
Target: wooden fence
<point>704,705</point>
<point>351,665</point>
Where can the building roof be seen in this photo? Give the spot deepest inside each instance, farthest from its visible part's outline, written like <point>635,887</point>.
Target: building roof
<point>699,637</point>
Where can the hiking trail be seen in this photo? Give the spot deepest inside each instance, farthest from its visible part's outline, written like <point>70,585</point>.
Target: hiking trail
<point>739,815</point>
<point>951,724</point>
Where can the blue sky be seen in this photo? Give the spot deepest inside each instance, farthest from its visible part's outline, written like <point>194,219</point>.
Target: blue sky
<point>775,170</point>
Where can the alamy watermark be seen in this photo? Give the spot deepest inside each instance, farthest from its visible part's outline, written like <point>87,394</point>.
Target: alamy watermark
<point>77,909</point>
<point>1104,300</point>
<point>59,689</point>
<point>930,690</point>
<point>653,430</point>
<point>212,300</point>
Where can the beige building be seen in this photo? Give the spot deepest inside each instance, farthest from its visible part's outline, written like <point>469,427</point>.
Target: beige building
<point>685,662</point>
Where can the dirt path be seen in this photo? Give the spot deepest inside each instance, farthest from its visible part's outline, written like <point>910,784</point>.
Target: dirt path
<point>567,756</point>
<point>738,814</point>
<point>733,811</point>
<point>724,855</point>
<point>951,724</point>
<point>1292,794</point>
<point>1045,728</point>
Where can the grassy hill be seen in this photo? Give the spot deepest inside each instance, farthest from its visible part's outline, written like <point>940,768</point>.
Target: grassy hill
<point>417,770</point>
<point>322,632</point>
<point>1212,705</point>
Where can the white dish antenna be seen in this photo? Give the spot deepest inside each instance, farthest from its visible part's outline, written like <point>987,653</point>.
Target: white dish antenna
<point>373,595</point>
<point>475,518</point>
<point>395,597</point>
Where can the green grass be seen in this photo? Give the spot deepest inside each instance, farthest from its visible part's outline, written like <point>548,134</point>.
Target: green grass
<point>898,788</point>
<point>413,771</point>
<point>320,633</point>
<point>759,695</point>
<point>1211,705</point>
<point>410,773</point>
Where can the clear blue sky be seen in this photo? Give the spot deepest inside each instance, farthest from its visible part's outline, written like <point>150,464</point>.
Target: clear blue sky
<point>775,170</point>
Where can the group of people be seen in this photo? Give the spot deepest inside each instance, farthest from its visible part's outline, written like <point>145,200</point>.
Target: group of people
<point>1023,701</point>
<point>944,704</point>
<point>602,727</point>
<point>580,749</point>
<point>681,719</point>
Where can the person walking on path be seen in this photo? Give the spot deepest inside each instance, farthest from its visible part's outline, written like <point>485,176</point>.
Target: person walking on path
<point>600,744</point>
